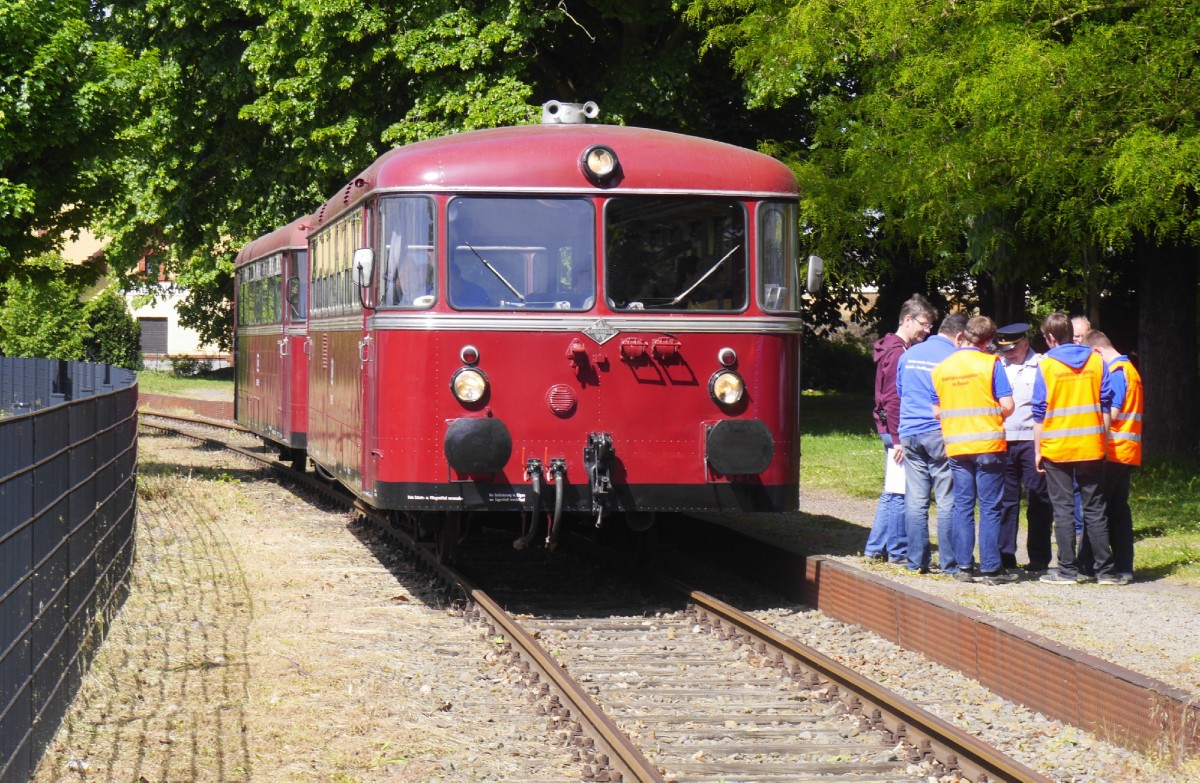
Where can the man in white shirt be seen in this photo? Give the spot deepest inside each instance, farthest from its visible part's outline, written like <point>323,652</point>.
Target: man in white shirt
<point>1020,363</point>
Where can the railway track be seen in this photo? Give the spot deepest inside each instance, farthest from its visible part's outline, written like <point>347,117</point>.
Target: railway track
<point>691,689</point>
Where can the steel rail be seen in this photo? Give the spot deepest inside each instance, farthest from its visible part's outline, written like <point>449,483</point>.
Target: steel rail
<point>622,754</point>
<point>955,748</point>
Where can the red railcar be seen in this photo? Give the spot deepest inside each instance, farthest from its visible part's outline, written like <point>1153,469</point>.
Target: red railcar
<point>558,321</point>
<point>271,307</point>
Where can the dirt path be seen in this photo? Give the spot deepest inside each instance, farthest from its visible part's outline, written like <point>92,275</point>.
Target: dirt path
<point>262,641</point>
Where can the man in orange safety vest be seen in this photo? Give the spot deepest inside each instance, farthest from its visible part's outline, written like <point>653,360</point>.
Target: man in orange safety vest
<point>1124,449</point>
<point>1071,398</point>
<point>972,398</point>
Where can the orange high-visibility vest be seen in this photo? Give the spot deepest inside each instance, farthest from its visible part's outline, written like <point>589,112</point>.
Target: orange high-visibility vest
<point>972,422</point>
<point>1073,430</point>
<point>1125,434</point>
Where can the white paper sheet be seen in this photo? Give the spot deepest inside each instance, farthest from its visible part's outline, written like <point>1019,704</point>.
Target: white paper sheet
<point>893,474</point>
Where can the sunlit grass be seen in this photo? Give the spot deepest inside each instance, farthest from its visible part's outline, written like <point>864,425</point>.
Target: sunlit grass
<point>164,382</point>
<point>842,453</point>
<point>840,450</point>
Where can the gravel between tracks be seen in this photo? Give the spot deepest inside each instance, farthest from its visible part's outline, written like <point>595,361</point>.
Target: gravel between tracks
<point>265,641</point>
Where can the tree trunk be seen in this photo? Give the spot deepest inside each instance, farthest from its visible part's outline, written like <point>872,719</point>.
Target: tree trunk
<point>1166,351</point>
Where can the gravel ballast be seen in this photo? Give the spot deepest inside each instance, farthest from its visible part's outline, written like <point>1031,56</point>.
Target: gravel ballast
<point>269,639</point>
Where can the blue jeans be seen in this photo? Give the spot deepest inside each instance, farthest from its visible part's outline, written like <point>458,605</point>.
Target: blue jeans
<point>889,533</point>
<point>978,477</point>
<point>926,469</point>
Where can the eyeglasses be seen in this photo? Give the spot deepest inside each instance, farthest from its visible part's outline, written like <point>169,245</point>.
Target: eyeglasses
<point>926,325</point>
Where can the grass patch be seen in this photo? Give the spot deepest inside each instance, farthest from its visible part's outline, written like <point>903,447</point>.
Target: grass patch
<point>204,384</point>
<point>842,453</point>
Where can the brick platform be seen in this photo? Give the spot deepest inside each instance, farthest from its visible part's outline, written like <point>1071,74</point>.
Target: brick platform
<point>221,410</point>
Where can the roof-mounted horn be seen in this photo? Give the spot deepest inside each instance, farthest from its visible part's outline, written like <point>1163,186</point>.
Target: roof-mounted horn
<point>558,113</point>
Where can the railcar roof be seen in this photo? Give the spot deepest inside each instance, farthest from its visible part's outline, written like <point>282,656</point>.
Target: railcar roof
<point>546,158</point>
<point>293,236</point>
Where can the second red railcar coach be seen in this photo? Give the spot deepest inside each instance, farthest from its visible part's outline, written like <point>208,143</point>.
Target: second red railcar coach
<point>271,369</point>
<point>559,320</point>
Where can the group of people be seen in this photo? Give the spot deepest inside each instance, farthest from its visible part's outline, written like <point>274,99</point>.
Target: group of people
<point>972,414</point>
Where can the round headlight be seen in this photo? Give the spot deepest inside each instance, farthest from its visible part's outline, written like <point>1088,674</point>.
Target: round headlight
<point>469,385</point>
<point>600,163</point>
<point>727,387</point>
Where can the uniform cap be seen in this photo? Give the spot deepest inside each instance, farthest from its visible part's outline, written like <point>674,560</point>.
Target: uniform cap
<point>1011,334</point>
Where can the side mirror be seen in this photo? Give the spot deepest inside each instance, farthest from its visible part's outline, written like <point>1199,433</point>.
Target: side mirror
<point>816,273</point>
<point>364,266</point>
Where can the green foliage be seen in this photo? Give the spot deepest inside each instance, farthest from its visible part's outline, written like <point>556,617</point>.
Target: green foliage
<point>64,95</point>
<point>254,112</point>
<point>1018,137</point>
<point>114,337</point>
<point>839,363</point>
<point>187,367</point>
<point>40,316</point>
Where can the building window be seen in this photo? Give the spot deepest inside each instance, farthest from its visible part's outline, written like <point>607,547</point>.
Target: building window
<point>154,336</point>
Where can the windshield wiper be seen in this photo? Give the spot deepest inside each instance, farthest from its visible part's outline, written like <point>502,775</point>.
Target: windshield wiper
<point>703,277</point>
<point>494,271</point>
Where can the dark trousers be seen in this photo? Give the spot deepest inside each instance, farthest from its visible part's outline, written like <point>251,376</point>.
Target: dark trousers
<point>1061,478</point>
<point>1120,519</point>
<point>1020,469</point>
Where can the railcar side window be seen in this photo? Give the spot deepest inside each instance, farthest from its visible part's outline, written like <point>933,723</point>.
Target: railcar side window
<point>300,274</point>
<point>675,254</point>
<point>521,253</point>
<point>407,254</point>
<point>333,291</point>
<point>779,270</point>
<point>260,294</point>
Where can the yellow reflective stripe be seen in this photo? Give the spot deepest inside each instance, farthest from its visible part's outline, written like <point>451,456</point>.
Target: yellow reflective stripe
<point>1076,409</point>
<point>959,412</point>
<point>1128,417</point>
<point>1079,431</point>
<point>969,436</point>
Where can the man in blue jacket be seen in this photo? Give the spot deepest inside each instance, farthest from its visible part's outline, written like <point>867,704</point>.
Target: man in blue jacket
<point>926,467</point>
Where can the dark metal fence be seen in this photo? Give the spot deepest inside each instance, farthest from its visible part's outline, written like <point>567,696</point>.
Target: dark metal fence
<point>68,457</point>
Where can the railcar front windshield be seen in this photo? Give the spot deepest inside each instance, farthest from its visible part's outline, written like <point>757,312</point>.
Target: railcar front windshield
<point>675,253</point>
<point>510,253</point>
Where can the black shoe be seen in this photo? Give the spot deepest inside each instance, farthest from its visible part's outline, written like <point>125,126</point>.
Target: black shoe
<point>878,557</point>
<point>1001,577</point>
<point>965,575</point>
<point>1037,568</point>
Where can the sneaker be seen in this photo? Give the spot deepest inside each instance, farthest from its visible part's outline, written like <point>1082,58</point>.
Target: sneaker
<point>877,557</point>
<point>1037,568</point>
<point>965,575</point>
<point>1055,578</point>
<point>1002,577</point>
<point>1112,579</point>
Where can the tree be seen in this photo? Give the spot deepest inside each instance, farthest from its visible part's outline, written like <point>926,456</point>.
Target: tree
<point>40,315</point>
<point>63,93</point>
<point>1019,143</point>
<point>256,112</point>
<point>113,336</point>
